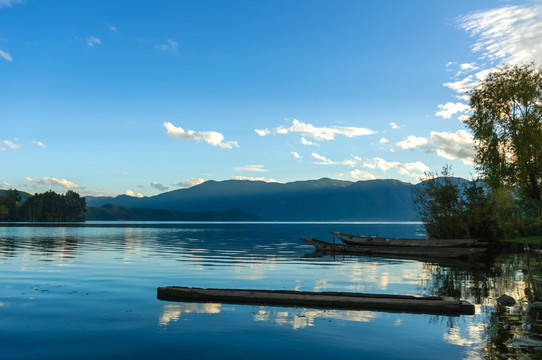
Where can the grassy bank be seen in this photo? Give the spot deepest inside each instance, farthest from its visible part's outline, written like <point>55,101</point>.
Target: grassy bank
<point>530,240</point>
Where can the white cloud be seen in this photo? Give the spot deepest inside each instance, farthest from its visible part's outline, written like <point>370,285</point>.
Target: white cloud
<point>414,169</point>
<point>307,142</point>
<point>133,194</point>
<point>171,45</point>
<point>480,75</point>
<point>509,34</point>
<point>251,168</point>
<point>113,28</point>
<point>454,146</point>
<point>323,159</point>
<point>38,143</point>
<point>326,161</point>
<point>93,40</point>
<point>321,133</point>
<point>188,183</point>
<point>253,179</point>
<point>450,108</point>
<point>364,168</point>
<point>10,3</point>
<point>378,163</point>
<point>361,175</point>
<point>159,186</point>
<point>6,56</point>
<point>463,85</point>
<point>394,125</point>
<point>211,137</point>
<point>296,155</point>
<point>10,145</point>
<point>512,34</point>
<point>461,69</point>
<point>53,182</point>
<point>468,67</point>
<point>451,146</point>
<point>98,192</point>
<point>384,141</point>
<point>262,132</point>
<point>412,142</point>
<point>5,185</point>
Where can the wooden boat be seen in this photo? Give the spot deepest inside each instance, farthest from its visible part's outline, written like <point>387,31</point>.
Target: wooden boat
<point>394,251</point>
<point>335,300</point>
<point>382,241</point>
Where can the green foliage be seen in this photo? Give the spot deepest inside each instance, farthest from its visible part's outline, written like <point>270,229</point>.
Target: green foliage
<point>74,206</point>
<point>50,207</point>
<point>507,213</point>
<point>529,240</point>
<point>4,212</point>
<point>506,121</point>
<point>455,208</point>
<point>437,202</point>
<point>479,206</point>
<point>9,206</point>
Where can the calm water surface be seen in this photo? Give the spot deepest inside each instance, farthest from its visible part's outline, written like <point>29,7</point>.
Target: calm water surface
<point>89,292</point>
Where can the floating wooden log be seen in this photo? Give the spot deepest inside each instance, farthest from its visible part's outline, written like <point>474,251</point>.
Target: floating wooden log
<point>334,300</point>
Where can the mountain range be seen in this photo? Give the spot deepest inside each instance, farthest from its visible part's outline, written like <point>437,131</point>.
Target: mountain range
<point>242,200</point>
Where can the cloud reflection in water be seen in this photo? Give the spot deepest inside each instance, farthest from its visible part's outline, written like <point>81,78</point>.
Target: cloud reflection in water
<point>301,318</point>
<point>172,312</point>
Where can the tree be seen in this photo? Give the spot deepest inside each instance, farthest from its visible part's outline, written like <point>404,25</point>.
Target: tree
<point>480,211</point>
<point>4,212</point>
<point>14,198</point>
<point>10,202</point>
<point>30,209</point>
<point>506,122</point>
<point>50,206</point>
<point>437,200</point>
<point>451,207</point>
<point>74,206</point>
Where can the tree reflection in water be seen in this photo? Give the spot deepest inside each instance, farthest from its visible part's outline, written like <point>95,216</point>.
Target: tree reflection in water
<point>482,283</point>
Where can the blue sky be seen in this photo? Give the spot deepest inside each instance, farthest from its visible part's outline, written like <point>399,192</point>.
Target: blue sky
<point>141,97</point>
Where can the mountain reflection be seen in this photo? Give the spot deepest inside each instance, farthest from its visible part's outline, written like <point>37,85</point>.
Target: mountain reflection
<point>117,260</point>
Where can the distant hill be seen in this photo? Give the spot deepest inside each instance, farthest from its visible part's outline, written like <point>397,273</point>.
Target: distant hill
<point>24,195</point>
<point>115,212</point>
<point>314,200</point>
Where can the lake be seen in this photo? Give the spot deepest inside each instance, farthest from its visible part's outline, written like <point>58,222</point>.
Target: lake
<point>88,291</point>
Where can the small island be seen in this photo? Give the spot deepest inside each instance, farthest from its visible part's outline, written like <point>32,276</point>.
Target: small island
<point>44,207</point>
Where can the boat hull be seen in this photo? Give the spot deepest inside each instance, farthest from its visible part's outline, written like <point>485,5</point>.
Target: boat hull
<point>382,241</point>
<point>396,251</point>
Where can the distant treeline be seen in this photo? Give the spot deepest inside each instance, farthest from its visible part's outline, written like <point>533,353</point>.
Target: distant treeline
<point>45,207</point>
